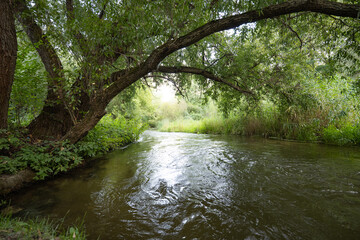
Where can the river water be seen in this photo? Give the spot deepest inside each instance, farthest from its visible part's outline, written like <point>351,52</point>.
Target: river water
<point>188,186</point>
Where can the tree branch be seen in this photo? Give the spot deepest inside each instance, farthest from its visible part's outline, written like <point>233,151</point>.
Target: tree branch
<point>42,45</point>
<point>47,54</point>
<point>203,73</point>
<point>77,34</point>
<point>102,13</point>
<point>293,31</point>
<point>151,63</point>
<point>121,80</point>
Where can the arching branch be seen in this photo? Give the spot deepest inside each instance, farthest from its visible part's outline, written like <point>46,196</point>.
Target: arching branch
<point>122,79</point>
<point>120,82</point>
<point>204,73</point>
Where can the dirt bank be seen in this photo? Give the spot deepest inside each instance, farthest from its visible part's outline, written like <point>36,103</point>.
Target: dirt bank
<point>10,183</point>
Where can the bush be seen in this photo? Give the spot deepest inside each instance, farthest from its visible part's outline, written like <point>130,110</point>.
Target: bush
<point>110,133</point>
<point>345,134</point>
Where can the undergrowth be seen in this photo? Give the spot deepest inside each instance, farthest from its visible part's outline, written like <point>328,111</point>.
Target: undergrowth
<point>110,133</point>
<point>311,126</point>
<point>16,228</point>
<point>19,151</point>
<point>342,134</point>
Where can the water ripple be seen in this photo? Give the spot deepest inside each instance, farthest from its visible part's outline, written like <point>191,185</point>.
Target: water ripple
<point>187,186</point>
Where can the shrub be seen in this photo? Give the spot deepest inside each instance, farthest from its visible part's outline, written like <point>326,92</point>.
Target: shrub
<point>344,134</point>
<point>110,133</point>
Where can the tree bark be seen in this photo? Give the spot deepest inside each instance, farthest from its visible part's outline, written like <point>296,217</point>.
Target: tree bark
<point>94,115</point>
<point>52,123</point>
<point>57,117</point>
<point>8,51</point>
<point>54,120</point>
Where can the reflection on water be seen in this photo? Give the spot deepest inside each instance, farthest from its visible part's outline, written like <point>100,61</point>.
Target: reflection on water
<point>186,186</point>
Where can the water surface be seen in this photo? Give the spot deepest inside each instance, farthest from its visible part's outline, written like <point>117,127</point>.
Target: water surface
<point>187,186</point>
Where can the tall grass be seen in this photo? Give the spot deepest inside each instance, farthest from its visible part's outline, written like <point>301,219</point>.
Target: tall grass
<point>16,228</point>
<point>295,124</point>
<point>323,109</point>
<point>214,125</point>
<point>344,134</point>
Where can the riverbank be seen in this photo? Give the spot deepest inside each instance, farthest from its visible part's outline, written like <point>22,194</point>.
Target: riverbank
<point>341,134</point>
<point>24,160</point>
<point>16,228</point>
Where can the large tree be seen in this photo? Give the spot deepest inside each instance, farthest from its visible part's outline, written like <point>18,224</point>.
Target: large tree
<point>93,50</point>
<point>8,50</point>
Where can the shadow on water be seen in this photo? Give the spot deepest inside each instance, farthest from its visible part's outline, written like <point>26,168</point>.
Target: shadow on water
<point>177,185</point>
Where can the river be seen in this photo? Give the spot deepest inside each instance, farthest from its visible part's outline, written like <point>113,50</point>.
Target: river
<point>188,186</point>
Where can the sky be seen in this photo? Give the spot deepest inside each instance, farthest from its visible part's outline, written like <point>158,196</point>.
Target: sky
<point>165,92</point>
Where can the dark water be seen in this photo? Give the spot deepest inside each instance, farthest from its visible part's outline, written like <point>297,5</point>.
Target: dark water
<point>186,186</point>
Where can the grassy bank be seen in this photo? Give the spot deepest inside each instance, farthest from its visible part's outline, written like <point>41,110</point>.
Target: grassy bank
<point>15,228</point>
<point>308,129</point>
<point>215,125</point>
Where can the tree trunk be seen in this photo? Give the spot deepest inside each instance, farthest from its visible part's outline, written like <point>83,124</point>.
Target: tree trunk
<point>53,122</point>
<point>8,51</point>
<point>92,117</point>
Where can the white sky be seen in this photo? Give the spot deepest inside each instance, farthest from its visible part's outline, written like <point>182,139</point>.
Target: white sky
<point>166,93</point>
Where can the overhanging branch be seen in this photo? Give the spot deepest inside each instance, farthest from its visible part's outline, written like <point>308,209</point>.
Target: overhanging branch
<point>121,80</point>
<point>294,6</point>
<point>204,73</point>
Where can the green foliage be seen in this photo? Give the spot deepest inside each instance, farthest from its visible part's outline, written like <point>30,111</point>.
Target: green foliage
<point>345,134</point>
<point>47,158</point>
<point>191,126</point>
<point>16,228</point>
<point>306,118</point>
<point>110,133</point>
<point>30,84</point>
<point>302,71</point>
<point>135,103</point>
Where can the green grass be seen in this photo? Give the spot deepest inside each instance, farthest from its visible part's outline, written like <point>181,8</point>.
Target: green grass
<point>214,125</point>
<point>307,129</point>
<point>16,228</point>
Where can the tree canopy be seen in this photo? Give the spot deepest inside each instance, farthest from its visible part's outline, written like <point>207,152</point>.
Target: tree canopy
<point>94,50</point>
